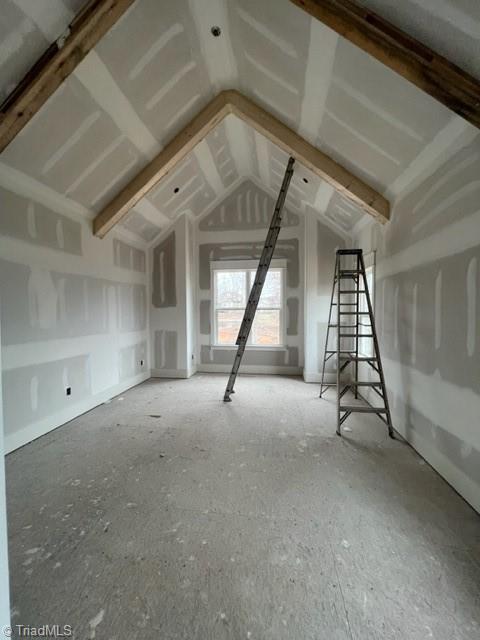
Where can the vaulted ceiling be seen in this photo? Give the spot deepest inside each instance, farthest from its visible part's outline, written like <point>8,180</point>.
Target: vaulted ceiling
<point>160,64</point>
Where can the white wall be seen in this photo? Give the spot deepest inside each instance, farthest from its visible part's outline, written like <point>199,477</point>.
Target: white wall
<point>321,244</point>
<point>73,315</point>
<point>427,315</point>
<point>171,308</point>
<point>4,586</point>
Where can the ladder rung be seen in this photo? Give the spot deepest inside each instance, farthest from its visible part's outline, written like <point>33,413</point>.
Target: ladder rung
<point>344,326</point>
<point>359,358</point>
<point>349,304</point>
<point>354,313</point>
<point>355,335</point>
<point>349,272</point>
<point>363,384</point>
<point>353,291</point>
<point>357,408</point>
<point>349,351</point>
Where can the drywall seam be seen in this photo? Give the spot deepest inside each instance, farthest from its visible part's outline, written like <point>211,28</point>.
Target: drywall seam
<point>451,473</point>
<point>97,80</point>
<point>53,260</point>
<point>318,74</point>
<point>27,187</point>
<point>316,377</point>
<point>457,134</point>
<point>169,373</point>
<point>35,430</point>
<point>235,131</point>
<point>32,353</point>
<point>254,369</point>
<point>217,52</point>
<point>207,164</point>
<point>438,245</point>
<point>454,408</point>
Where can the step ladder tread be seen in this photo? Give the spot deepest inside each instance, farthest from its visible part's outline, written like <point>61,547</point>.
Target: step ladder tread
<point>359,358</point>
<point>353,384</point>
<point>357,408</point>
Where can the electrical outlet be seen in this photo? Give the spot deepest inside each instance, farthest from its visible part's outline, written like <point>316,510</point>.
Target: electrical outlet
<point>68,391</point>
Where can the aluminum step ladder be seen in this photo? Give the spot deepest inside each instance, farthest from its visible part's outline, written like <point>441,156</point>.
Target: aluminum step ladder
<point>349,284</point>
<point>260,276</point>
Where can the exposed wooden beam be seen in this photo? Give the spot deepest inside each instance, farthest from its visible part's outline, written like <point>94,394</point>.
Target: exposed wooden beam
<point>429,71</point>
<point>234,102</point>
<point>56,64</point>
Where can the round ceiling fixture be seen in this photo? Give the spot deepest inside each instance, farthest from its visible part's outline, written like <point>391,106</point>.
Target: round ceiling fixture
<point>216,31</point>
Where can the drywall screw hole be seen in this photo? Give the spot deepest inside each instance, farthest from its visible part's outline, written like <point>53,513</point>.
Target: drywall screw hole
<point>305,180</point>
<point>176,190</point>
<point>216,31</point>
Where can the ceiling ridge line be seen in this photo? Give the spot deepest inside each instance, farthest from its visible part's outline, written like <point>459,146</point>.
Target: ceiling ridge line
<point>233,102</point>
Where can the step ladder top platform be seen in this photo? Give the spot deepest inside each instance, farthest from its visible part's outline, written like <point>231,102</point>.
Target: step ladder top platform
<point>349,252</point>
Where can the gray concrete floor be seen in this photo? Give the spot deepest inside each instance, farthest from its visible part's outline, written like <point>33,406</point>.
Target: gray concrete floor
<point>168,514</point>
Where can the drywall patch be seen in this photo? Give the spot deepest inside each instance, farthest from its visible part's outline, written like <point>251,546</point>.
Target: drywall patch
<point>286,249</point>
<point>247,208</point>
<point>292,314</point>
<point>414,323</point>
<point>449,195</point>
<point>270,358</point>
<point>138,224</point>
<point>205,327</point>
<point>471,306</point>
<point>164,282</point>
<point>38,305</point>
<point>292,357</point>
<point>132,312</point>
<point>462,455</point>
<point>438,310</point>
<point>36,392</point>
<point>31,222</point>
<point>327,244</point>
<point>130,360</point>
<point>127,256</point>
<point>446,349</point>
<point>166,349</point>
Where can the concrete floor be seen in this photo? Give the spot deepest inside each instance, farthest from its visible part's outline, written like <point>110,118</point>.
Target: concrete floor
<point>168,514</point>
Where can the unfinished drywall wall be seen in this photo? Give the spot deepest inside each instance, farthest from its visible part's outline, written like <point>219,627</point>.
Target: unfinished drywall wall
<point>236,230</point>
<point>4,579</point>
<point>73,317</point>
<point>321,244</point>
<point>427,313</point>
<point>172,302</point>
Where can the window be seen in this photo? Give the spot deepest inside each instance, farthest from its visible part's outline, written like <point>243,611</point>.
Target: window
<point>365,345</point>
<point>231,287</point>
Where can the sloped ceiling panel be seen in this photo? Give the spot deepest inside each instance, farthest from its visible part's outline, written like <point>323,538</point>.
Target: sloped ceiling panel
<point>150,75</point>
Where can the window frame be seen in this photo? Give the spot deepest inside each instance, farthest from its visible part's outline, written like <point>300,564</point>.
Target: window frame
<point>247,265</point>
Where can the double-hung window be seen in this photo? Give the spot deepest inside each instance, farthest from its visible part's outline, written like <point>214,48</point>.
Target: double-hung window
<point>231,287</point>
